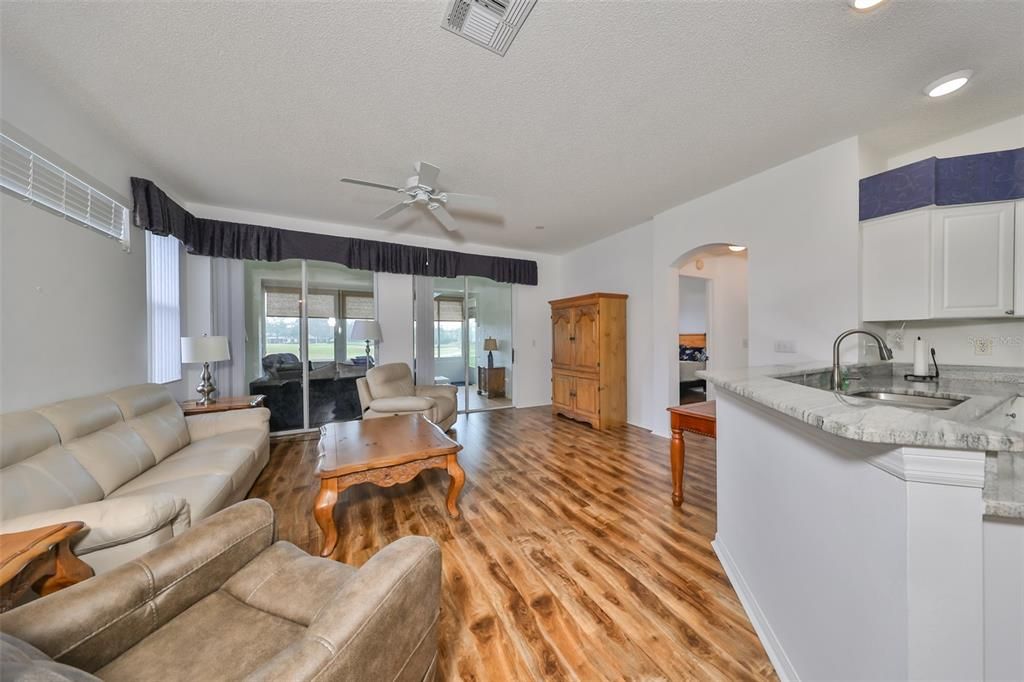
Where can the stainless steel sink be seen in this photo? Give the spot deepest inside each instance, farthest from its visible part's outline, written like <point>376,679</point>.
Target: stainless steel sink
<point>921,402</point>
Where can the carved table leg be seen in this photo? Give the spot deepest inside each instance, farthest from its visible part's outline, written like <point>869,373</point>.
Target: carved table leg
<point>323,512</point>
<point>678,453</point>
<point>455,487</point>
<point>68,569</point>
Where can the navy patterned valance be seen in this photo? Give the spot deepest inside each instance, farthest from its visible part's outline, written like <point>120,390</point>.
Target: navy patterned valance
<point>153,210</point>
<point>971,179</point>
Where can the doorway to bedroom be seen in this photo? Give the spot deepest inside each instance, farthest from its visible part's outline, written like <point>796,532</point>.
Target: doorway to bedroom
<point>712,316</point>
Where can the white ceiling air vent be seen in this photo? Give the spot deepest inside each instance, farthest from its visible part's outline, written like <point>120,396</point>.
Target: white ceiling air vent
<point>491,23</point>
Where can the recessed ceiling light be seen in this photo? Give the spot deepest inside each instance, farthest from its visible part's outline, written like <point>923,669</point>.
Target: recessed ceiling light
<point>864,5</point>
<point>948,84</point>
<point>735,248</point>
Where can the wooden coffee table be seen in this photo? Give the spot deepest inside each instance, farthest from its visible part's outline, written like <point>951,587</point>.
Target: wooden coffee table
<point>383,451</point>
<point>39,559</point>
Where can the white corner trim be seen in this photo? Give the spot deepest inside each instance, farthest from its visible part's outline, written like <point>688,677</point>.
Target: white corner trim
<point>783,667</point>
<point>942,467</point>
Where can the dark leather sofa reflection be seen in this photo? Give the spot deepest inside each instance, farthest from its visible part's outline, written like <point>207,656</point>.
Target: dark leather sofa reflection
<point>332,391</point>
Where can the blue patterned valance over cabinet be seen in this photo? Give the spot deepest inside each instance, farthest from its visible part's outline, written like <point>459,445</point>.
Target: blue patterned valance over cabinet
<point>971,179</point>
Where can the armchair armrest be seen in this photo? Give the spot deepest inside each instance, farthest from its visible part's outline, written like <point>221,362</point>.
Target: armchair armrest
<point>113,521</point>
<point>402,404</point>
<point>381,622</point>
<point>202,426</point>
<point>89,624</point>
<point>438,391</point>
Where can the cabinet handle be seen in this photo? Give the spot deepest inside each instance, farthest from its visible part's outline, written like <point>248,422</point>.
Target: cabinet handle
<point>1009,312</point>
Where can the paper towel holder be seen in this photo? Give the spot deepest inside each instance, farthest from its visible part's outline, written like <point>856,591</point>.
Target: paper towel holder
<point>925,377</point>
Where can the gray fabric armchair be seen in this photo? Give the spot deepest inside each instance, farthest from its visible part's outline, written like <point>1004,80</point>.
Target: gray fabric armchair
<point>388,390</point>
<point>224,601</point>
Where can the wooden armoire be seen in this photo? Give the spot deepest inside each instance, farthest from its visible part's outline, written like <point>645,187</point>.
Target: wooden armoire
<point>588,359</point>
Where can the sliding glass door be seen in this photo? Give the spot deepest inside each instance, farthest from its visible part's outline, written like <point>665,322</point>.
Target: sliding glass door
<point>299,350</point>
<point>463,337</point>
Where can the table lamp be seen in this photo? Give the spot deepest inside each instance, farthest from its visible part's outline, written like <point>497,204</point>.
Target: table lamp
<point>368,330</point>
<point>490,345</point>
<point>205,349</point>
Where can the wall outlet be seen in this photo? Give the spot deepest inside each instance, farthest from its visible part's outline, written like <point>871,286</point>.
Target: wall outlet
<point>983,345</point>
<point>785,346</point>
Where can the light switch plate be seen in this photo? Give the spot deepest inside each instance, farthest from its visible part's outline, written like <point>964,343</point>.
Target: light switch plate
<point>785,346</point>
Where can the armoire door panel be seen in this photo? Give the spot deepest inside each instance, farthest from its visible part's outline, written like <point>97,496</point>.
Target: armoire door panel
<point>588,398</point>
<point>561,338</point>
<point>587,337</point>
<point>562,387</point>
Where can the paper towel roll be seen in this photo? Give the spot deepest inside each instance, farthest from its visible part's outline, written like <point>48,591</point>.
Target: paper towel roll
<point>920,358</point>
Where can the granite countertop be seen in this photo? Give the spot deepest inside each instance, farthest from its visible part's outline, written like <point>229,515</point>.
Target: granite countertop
<point>989,419</point>
<point>800,391</point>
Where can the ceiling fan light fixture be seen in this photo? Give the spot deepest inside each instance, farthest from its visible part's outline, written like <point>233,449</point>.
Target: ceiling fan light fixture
<point>736,248</point>
<point>948,84</point>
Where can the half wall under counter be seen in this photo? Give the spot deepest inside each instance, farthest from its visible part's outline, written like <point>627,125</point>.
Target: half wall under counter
<point>854,531</point>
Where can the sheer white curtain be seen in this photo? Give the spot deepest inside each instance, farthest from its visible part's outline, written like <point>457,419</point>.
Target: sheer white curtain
<point>163,295</point>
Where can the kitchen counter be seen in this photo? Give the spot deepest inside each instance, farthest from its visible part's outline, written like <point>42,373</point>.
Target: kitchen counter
<point>978,423</point>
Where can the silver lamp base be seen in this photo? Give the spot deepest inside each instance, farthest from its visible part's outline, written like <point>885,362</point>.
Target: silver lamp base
<point>369,358</point>
<point>206,388</point>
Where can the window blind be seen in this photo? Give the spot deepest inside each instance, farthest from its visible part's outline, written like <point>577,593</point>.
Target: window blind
<point>285,303</point>
<point>358,306</point>
<point>31,176</point>
<point>163,297</point>
<point>449,310</point>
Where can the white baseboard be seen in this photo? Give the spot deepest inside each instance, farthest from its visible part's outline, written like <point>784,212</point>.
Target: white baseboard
<point>783,667</point>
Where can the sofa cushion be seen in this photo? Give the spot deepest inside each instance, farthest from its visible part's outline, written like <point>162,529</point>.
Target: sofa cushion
<point>81,416</point>
<point>231,454</point>
<point>21,661</point>
<point>390,381</point>
<point>206,493</point>
<point>38,474</point>
<point>113,456</point>
<point>152,413</point>
<point>218,638</point>
<point>287,582</point>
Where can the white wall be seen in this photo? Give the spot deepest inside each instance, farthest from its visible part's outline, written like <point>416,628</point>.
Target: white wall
<point>693,304</point>
<point>621,264</point>
<point>1008,134</point>
<point>72,303</point>
<point>394,296</point>
<point>728,328</point>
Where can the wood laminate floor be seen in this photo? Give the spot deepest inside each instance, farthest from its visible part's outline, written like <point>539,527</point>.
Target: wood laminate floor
<point>569,561</point>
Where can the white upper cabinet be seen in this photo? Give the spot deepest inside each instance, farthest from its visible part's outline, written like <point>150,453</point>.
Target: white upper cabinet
<point>896,266</point>
<point>972,261</point>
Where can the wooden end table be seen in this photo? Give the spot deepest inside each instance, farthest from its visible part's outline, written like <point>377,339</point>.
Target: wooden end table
<point>243,402</point>
<point>696,418</point>
<point>385,452</point>
<point>40,559</point>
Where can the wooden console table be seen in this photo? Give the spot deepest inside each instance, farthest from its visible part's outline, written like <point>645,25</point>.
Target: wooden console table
<point>40,559</point>
<point>243,402</point>
<point>696,418</point>
<point>384,451</point>
<point>490,381</point>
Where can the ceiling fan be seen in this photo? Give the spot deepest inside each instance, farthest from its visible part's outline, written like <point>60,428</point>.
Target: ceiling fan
<point>422,189</point>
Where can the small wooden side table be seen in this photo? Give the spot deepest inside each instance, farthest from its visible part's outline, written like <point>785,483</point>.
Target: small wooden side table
<point>696,418</point>
<point>40,559</point>
<point>243,402</point>
<point>490,381</point>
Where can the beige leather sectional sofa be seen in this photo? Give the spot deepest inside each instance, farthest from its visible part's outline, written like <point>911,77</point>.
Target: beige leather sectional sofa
<point>129,464</point>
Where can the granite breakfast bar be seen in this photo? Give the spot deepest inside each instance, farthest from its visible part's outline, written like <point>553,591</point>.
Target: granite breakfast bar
<point>873,539</point>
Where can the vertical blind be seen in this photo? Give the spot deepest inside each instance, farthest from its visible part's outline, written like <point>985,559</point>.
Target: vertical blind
<point>163,308</point>
<point>29,175</point>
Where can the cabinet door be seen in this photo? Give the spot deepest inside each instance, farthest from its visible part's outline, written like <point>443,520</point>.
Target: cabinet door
<point>896,267</point>
<point>586,337</point>
<point>972,261</point>
<point>562,388</point>
<point>588,399</point>
<point>1018,268</point>
<point>561,338</point>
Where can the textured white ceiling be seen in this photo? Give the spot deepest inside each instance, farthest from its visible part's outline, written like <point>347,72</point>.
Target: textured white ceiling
<point>601,114</point>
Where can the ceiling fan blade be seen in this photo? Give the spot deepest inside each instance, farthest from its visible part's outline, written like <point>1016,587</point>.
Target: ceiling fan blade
<point>367,183</point>
<point>444,217</point>
<point>427,174</point>
<point>393,210</point>
<point>472,202</point>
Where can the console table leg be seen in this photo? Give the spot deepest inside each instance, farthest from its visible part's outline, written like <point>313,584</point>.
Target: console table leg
<point>455,487</point>
<point>323,512</point>
<point>678,455</point>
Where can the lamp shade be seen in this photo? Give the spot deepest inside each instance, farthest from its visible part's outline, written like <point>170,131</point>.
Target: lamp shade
<point>366,330</point>
<point>196,349</point>
<point>490,343</point>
